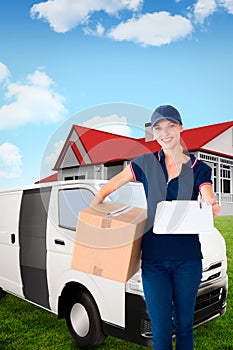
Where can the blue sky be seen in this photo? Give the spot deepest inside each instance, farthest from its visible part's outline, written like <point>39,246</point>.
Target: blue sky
<point>106,64</point>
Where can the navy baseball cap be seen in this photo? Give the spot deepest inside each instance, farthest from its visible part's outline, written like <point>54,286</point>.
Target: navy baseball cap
<point>165,112</point>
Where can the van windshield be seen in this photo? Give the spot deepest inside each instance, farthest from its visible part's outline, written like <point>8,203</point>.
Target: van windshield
<point>131,194</point>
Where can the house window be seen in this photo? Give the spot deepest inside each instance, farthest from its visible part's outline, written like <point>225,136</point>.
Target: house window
<point>225,175</point>
<point>70,202</point>
<point>78,177</point>
<point>67,178</point>
<point>207,157</point>
<point>214,173</point>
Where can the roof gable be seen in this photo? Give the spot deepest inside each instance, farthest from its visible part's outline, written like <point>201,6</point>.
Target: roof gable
<point>223,143</point>
<point>102,147</point>
<point>197,138</point>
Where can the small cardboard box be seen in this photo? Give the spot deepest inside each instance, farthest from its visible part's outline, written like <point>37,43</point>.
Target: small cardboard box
<point>108,240</point>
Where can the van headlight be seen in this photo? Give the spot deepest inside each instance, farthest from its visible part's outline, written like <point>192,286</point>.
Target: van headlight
<point>224,267</point>
<point>134,285</point>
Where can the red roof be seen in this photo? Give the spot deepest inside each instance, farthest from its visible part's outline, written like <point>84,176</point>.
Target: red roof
<point>49,178</point>
<point>103,147</point>
<point>196,138</point>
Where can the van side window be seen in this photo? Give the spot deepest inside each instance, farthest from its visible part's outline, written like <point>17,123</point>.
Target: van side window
<point>71,201</point>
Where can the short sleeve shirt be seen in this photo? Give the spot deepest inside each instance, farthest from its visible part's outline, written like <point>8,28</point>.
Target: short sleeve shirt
<point>150,169</point>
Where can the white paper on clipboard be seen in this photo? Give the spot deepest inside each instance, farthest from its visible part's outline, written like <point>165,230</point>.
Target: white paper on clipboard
<point>183,217</point>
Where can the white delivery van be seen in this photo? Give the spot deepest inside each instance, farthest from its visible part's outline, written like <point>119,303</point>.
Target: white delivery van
<point>37,234</point>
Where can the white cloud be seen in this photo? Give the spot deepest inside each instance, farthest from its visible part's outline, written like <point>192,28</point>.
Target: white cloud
<point>228,5</point>
<point>63,15</point>
<point>153,29</point>
<point>150,29</point>
<point>10,161</point>
<point>32,102</point>
<point>98,31</point>
<point>203,9</point>
<point>113,123</point>
<point>4,72</point>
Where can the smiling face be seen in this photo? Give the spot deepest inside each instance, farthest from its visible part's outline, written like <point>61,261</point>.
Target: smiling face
<point>167,133</point>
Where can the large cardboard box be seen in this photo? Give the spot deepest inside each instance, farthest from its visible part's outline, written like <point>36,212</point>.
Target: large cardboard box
<point>108,240</point>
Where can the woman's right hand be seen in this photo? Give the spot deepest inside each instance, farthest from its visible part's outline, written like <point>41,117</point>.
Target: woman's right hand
<point>97,200</point>
<point>113,184</point>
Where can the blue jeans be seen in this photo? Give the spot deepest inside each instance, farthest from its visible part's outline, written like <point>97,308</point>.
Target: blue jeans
<point>170,289</point>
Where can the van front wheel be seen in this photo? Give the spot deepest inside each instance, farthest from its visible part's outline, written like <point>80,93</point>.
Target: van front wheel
<point>2,293</point>
<point>83,320</point>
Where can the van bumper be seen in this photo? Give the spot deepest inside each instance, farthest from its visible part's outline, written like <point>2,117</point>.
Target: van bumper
<point>211,303</point>
<point>136,320</point>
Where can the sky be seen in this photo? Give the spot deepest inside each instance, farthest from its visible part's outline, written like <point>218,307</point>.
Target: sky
<point>106,64</point>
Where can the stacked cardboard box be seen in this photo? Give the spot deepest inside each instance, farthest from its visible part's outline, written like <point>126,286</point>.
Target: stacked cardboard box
<point>108,240</point>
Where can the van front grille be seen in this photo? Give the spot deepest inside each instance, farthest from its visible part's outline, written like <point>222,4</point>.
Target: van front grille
<point>208,299</point>
<point>202,302</point>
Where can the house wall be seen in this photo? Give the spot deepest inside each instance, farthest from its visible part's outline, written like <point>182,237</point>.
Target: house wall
<point>226,209</point>
<point>113,170</point>
<point>69,160</point>
<point>75,173</point>
<point>92,171</point>
<point>149,136</point>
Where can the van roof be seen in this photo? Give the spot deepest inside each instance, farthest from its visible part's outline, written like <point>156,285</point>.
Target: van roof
<point>53,184</point>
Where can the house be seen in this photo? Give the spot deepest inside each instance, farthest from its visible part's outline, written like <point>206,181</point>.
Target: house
<point>89,153</point>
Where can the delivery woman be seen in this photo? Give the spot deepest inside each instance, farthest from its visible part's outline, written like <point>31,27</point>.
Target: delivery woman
<point>171,263</point>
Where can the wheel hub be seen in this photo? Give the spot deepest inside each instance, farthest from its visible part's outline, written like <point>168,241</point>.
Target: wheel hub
<point>80,320</point>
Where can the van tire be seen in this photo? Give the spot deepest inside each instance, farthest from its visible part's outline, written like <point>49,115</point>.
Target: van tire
<point>83,320</point>
<point>2,293</point>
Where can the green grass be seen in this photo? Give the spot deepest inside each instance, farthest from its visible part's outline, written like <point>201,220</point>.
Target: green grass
<point>24,326</point>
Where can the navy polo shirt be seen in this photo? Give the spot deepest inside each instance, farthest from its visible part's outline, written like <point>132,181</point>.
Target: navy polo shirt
<point>150,169</point>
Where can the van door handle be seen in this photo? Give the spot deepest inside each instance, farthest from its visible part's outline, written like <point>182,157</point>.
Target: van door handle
<point>13,238</point>
<point>59,241</point>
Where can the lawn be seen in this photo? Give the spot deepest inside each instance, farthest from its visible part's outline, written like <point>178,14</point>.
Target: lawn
<point>24,326</point>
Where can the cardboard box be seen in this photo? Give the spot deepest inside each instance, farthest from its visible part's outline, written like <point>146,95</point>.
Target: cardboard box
<point>108,240</point>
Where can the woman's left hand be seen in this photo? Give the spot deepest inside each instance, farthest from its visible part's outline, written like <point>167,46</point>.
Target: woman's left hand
<point>215,207</point>
<point>208,197</point>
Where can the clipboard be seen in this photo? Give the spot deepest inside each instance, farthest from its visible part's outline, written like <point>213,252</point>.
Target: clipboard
<point>183,217</point>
